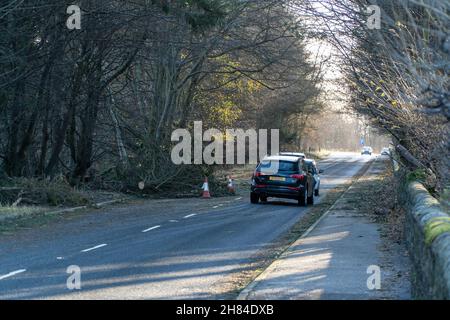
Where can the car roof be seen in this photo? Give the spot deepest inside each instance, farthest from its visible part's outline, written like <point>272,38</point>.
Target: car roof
<point>281,158</point>
<point>310,161</point>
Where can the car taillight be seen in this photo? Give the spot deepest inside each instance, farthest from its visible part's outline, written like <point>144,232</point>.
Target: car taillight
<point>298,176</point>
<point>258,174</point>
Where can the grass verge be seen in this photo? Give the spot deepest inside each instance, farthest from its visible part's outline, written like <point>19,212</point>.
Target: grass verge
<point>27,203</point>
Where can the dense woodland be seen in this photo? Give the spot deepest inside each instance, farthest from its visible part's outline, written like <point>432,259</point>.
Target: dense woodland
<point>103,100</point>
<point>101,103</point>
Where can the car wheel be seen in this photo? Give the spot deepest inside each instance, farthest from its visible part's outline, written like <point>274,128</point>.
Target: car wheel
<point>254,198</point>
<point>302,198</point>
<point>263,199</point>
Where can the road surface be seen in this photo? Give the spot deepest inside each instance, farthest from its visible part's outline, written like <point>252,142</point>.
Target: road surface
<point>170,249</point>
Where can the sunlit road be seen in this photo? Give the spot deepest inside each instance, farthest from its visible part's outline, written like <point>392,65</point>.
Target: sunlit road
<point>148,251</point>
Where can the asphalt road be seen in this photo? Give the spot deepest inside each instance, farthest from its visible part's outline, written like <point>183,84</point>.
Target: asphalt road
<point>174,249</point>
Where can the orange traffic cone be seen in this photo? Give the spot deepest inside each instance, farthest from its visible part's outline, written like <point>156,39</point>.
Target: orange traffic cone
<point>206,194</point>
<point>231,187</point>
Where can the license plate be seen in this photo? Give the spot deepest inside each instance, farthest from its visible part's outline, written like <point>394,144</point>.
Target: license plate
<point>277,179</point>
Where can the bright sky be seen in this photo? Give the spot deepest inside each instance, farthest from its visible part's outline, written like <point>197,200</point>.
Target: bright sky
<point>323,51</point>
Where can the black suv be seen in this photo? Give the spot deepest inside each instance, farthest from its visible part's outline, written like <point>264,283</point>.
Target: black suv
<point>282,177</point>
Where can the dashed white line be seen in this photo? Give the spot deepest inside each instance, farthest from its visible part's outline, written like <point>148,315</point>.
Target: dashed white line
<point>190,216</point>
<point>173,221</point>
<point>94,248</point>
<point>12,274</point>
<point>151,229</point>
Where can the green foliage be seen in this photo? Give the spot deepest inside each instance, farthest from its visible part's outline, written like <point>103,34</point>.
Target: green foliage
<point>417,175</point>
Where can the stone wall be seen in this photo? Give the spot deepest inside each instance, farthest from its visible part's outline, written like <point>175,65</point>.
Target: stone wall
<point>428,241</point>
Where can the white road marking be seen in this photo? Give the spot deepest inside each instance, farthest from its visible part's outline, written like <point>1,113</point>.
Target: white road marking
<point>12,274</point>
<point>94,248</point>
<point>215,207</point>
<point>190,216</point>
<point>173,221</point>
<point>150,229</point>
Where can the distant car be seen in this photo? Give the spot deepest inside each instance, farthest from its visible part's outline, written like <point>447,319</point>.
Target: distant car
<point>283,177</point>
<point>367,151</point>
<point>386,152</point>
<point>311,166</point>
<point>293,154</point>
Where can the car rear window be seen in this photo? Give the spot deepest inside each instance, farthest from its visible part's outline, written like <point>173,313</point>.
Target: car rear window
<point>278,166</point>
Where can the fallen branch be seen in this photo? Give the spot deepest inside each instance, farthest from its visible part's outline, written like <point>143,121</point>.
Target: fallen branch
<point>19,199</point>
<point>409,157</point>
